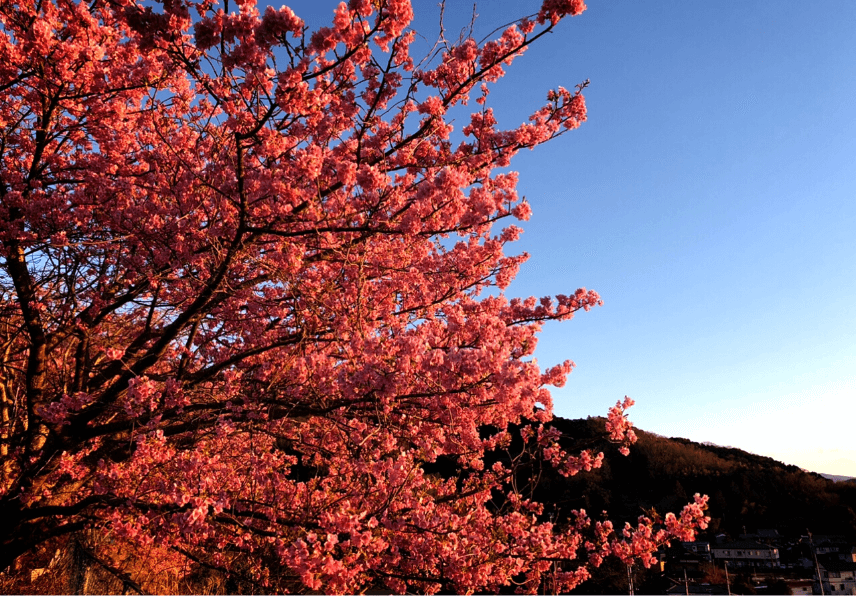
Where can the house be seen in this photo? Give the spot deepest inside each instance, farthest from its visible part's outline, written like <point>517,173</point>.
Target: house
<point>686,556</point>
<point>745,553</point>
<point>838,577</point>
<point>802,587</point>
<point>699,548</point>
<point>824,545</point>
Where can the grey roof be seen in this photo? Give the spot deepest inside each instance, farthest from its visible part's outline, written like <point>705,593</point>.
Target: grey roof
<point>834,565</point>
<point>742,545</point>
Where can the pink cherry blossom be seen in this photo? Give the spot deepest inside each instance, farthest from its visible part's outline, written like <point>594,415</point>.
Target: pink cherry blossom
<point>256,299</point>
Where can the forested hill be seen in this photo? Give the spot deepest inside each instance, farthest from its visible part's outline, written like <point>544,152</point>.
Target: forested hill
<point>746,490</point>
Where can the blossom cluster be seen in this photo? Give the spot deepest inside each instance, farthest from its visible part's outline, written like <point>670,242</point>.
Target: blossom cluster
<point>256,313</point>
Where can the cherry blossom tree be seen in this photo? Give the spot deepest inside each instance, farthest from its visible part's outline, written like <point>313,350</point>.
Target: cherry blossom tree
<point>252,290</point>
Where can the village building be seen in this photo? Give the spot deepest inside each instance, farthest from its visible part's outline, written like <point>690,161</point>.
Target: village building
<point>802,587</point>
<point>746,553</point>
<point>837,574</point>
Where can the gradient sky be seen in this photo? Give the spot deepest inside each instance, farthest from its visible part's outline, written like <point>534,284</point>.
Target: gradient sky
<point>709,199</point>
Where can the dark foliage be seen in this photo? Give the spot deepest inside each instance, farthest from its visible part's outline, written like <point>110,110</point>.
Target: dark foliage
<point>662,474</point>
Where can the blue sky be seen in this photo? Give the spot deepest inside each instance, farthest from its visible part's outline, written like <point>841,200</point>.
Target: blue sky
<point>710,200</point>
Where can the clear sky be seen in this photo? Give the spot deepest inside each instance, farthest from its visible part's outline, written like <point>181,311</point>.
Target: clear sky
<point>710,200</point>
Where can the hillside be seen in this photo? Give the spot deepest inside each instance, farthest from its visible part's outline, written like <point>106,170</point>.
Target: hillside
<point>746,490</point>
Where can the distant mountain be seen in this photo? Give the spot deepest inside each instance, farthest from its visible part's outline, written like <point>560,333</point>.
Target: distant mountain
<point>746,490</point>
<point>839,478</point>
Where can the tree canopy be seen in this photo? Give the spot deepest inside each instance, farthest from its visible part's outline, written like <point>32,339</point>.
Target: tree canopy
<point>251,290</point>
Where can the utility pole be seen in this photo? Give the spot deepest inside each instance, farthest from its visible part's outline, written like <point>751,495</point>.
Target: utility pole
<point>727,581</point>
<point>686,582</point>
<point>816,566</point>
<point>630,579</point>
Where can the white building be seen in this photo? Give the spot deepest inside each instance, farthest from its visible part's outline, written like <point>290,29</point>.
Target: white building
<point>839,577</point>
<point>746,553</point>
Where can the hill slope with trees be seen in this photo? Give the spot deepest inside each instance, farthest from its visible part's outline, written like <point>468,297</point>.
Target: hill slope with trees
<point>746,490</point>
